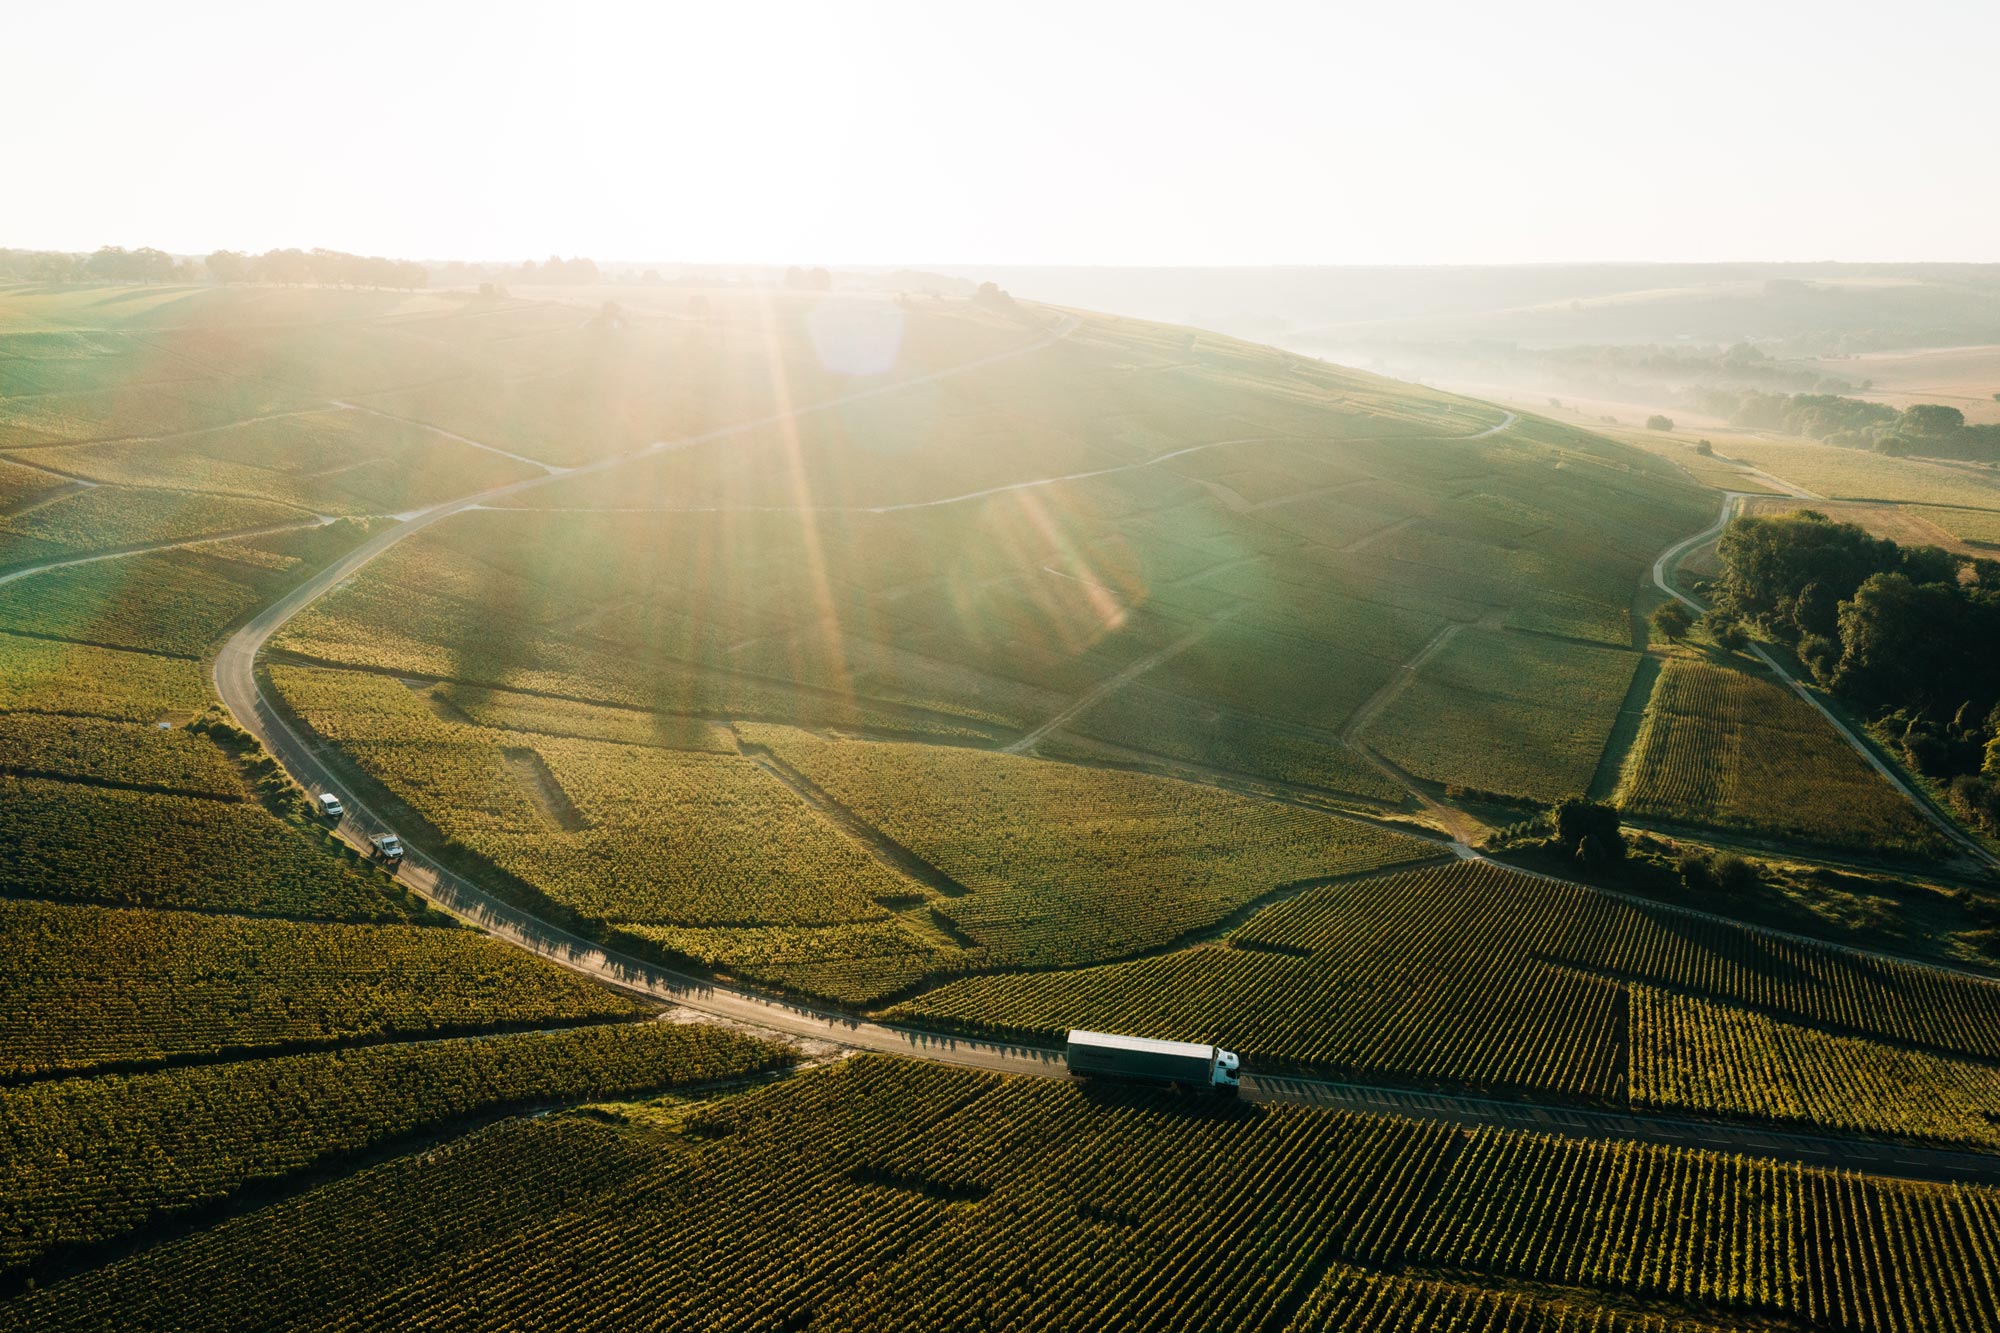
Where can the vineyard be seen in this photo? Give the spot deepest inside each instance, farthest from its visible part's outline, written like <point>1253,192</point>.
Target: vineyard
<point>1430,975</point>
<point>327,462</point>
<point>169,759</point>
<point>174,602</point>
<point>93,986</point>
<point>38,675</point>
<point>1731,750</point>
<point>616,833</point>
<point>1522,716</point>
<point>88,1159</point>
<point>147,849</point>
<point>1690,1053</point>
<point>1064,865</point>
<point>1468,975</point>
<point>1169,725</point>
<point>882,1194</point>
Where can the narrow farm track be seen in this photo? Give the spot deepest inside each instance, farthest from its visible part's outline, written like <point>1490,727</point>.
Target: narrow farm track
<point>145,548</point>
<point>237,684</point>
<point>1663,570</point>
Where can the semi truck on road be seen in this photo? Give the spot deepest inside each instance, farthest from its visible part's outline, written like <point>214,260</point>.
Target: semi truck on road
<point>1109,1055</point>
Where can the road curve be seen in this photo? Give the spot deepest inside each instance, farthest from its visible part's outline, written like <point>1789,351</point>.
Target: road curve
<point>1663,569</point>
<point>234,674</point>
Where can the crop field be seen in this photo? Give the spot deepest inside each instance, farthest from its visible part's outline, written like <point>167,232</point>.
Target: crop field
<point>1856,474</point>
<point>331,462</point>
<point>91,749</point>
<point>95,986</point>
<point>1691,1053</point>
<point>156,849</point>
<point>1981,526</point>
<point>1105,1205</point>
<point>970,558</point>
<point>1519,715</point>
<point>1179,728</point>
<point>1427,976</point>
<point>1474,976</point>
<point>172,602</point>
<point>1061,864</point>
<point>1727,749</point>
<point>90,1159</point>
<point>616,833</point>
<point>866,688</point>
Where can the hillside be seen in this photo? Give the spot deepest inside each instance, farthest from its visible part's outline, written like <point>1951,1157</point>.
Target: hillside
<point>762,677</point>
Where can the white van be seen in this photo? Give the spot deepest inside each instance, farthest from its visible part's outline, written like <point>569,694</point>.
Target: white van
<point>330,806</point>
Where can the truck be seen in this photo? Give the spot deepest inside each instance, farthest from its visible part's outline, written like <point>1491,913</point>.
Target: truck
<point>1111,1055</point>
<point>388,846</point>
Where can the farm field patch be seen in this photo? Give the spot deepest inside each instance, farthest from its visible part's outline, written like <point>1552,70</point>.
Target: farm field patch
<point>1063,864</point>
<point>64,841</point>
<point>1473,976</point>
<point>1727,749</point>
<point>94,986</point>
<point>1520,715</point>
<point>621,834</point>
<point>91,1159</point>
<point>1105,1202</point>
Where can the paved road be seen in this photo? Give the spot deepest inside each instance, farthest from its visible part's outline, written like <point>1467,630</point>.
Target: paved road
<point>1663,569</point>
<point>237,684</point>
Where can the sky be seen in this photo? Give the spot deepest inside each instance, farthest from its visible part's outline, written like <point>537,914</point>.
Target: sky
<point>1019,133</point>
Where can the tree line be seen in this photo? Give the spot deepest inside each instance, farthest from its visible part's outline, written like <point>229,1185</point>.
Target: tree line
<point>1934,430</point>
<point>1907,635</point>
<point>292,268</point>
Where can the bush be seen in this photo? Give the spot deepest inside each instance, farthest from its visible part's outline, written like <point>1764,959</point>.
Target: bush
<point>1587,830</point>
<point>1734,874</point>
<point>1658,422</point>
<point>1704,448</point>
<point>1672,621</point>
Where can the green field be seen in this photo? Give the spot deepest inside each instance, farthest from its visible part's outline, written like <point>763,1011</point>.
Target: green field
<point>1723,748</point>
<point>962,664</point>
<point>883,1194</point>
<point>1471,976</point>
<point>1519,715</point>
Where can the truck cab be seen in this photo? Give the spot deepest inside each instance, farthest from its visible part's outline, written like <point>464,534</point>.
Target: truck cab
<point>1227,1067</point>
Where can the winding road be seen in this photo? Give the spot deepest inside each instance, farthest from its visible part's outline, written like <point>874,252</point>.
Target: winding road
<point>1663,570</point>
<point>236,682</point>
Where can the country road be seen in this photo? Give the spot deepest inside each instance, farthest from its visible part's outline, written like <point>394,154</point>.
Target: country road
<point>236,682</point>
<point>1663,569</point>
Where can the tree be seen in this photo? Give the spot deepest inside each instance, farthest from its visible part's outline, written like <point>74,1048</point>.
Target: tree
<point>1672,621</point>
<point>1587,830</point>
<point>1659,422</point>
<point>1933,419</point>
<point>1704,448</point>
<point>1725,630</point>
<point>227,266</point>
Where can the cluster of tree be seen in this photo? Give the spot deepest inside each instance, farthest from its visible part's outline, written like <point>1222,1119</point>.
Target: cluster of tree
<point>113,263</point>
<point>324,268</point>
<point>1908,635</point>
<point>1931,429</point>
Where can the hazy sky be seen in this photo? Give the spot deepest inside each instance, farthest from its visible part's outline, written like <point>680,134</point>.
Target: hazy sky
<point>1079,132</point>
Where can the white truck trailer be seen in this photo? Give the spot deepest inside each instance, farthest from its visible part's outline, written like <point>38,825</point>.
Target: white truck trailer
<point>1109,1055</point>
